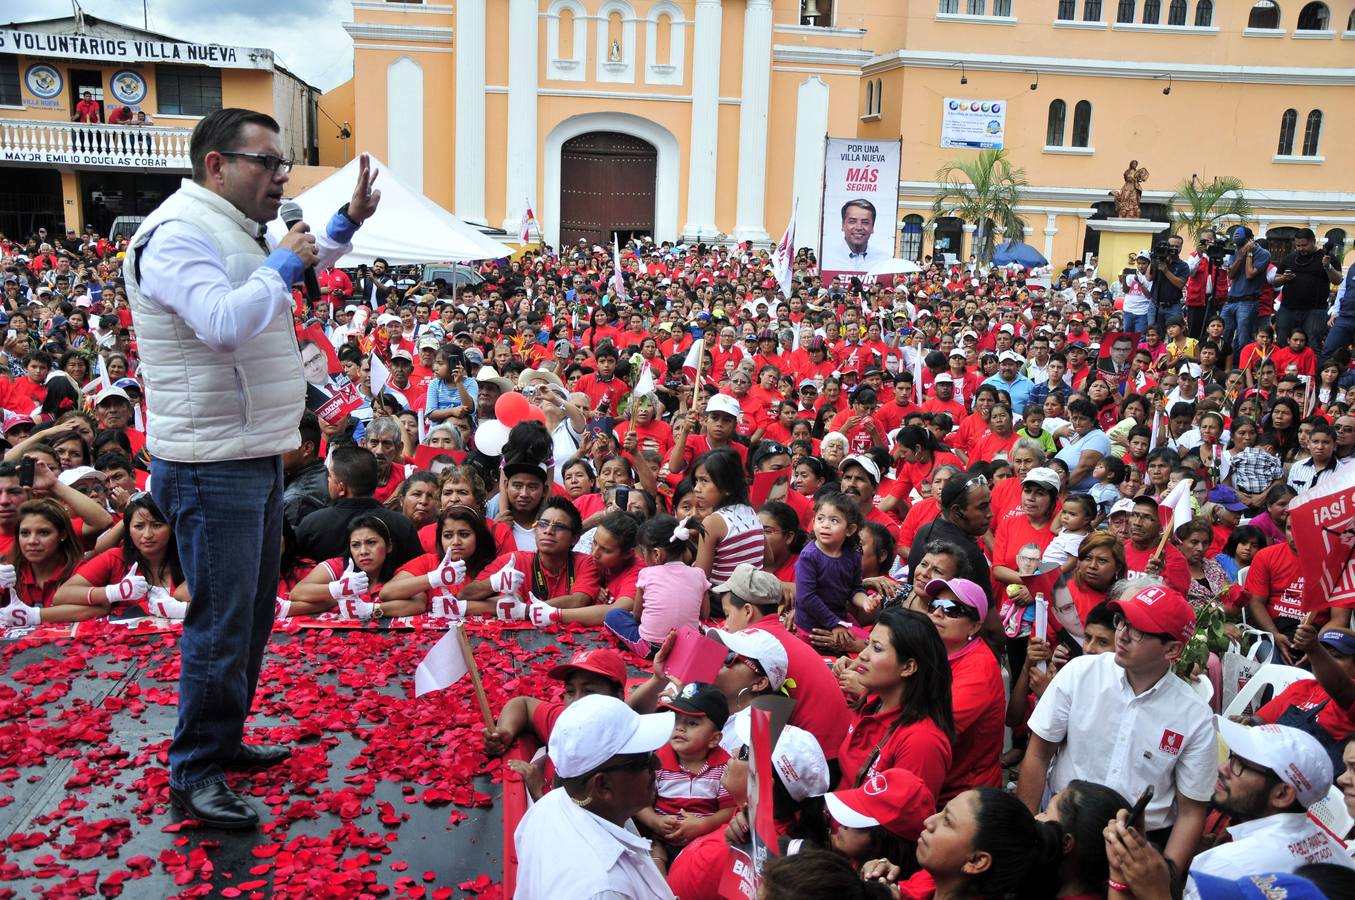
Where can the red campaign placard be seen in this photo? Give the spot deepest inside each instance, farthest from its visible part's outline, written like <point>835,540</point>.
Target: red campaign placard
<point>765,486</point>
<point>739,881</point>
<point>424,456</point>
<point>1323,520</point>
<point>341,404</point>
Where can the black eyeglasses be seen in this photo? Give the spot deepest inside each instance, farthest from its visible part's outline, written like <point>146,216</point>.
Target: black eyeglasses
<point>952,610</point>
<point>269,162</point>
<point>1237,765</point>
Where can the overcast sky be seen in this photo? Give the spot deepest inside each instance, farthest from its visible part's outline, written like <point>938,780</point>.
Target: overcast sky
<point>306,35</point>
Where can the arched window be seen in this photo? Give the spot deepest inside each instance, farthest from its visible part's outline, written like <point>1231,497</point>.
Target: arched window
<point>1082,124</point>
<point>1312,133</point>
<point>665,44</point>
<point>1053,133</point>
<point>1350,23</point>
<point>1125,14</point>
<point>911,245</point>
<point>879,95</point>
<point>1152,12</point>
<point>566,42</point>
<point>1314,17</point>
<point>1288,122</point>
<point>1204,13</point>
<point>1091,11</point>
<point>1265,14</point>
<point>870,98</point>
<point>1176,13</point>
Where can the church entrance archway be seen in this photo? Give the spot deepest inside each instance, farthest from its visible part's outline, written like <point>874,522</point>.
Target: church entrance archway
<point>607,183</point>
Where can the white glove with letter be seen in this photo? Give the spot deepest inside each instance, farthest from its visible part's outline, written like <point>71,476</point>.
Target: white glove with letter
<point>448,573</point>
<point>352,583</point>
<point>131,587</point>
<point>507,581</point>
<point>160,602</point>
<point>17,614</point>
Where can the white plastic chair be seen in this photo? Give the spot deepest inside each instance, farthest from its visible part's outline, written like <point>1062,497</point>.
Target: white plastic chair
<point>1203,687</point>
<point>1277,676</point>
<point>1332,813</point>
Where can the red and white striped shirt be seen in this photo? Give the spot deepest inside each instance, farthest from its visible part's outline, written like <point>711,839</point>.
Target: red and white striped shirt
<point>744,542</point>
<point>682,793</point>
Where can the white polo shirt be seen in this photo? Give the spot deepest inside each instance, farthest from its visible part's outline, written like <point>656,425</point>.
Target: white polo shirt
<point>1278,843</point>
<point>566,851</point>
<point>1164,737</point>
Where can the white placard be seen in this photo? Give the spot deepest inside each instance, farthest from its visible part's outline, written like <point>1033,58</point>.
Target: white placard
<point>977,124</point>
<point>860,205</point>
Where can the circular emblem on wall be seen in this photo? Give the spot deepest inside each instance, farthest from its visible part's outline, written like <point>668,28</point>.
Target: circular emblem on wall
<point>997,107</point>
<point>44,81</point>
<point>129,88</point>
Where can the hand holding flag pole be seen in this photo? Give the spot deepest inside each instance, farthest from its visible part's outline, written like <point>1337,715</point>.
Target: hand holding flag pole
<point>480,697</point>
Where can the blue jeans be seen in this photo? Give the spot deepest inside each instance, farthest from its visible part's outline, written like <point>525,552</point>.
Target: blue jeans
<point>1312,321</point>
<point>1339,337</point>
<point>1239,322</point>
<point>1163,314</point>
<point>1137,323</point>
<point>626,628</point>
<point>227,519</point>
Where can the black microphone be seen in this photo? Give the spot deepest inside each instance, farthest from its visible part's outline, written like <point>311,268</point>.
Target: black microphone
<point>291,214</point>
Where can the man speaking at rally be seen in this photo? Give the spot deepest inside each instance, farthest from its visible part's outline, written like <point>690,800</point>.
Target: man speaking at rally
<point>212,304</point>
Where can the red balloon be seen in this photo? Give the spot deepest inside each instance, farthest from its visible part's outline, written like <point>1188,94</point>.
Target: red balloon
<point>535,414</point>
<point>511,408</point>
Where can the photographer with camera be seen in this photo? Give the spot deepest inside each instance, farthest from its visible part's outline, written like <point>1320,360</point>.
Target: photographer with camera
<point>1169,280</point>
<point>1201,264</point>
<point>1246,275</point>
<point>1306,276</point>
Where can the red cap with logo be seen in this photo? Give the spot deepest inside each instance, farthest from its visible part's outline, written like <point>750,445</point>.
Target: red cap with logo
<point>1158,610</point>
<point>895,799</point>
<point>601,661</point>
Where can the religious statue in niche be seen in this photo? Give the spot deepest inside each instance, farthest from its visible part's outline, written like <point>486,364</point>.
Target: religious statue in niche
<point>614,55</point>
<point>1127,198</point>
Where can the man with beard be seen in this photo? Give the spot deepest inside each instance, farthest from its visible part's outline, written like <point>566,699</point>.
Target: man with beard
<point>384,438</point>
<point>1272,775</point>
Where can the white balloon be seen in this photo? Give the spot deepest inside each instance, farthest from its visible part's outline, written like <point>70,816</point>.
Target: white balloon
<point>490,437</point>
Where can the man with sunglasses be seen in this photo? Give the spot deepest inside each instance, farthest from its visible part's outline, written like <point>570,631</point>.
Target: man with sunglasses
<point>1272,776</point>
<point>225,389</point>
<point>1125,720</point>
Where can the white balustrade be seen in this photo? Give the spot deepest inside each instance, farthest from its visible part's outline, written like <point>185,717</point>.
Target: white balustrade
<point>102,146</point>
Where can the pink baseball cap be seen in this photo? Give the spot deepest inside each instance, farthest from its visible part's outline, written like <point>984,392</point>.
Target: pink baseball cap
<point>965,591</point>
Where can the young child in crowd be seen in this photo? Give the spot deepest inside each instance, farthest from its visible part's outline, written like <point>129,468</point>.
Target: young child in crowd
<point>1132,485</point>
<point>828,572</point>
<point>669,593</point>
<point>1109,474</point>
<point>1076,519</point>
<point>691,799</point>
<point>1033,427</point>
<point>1136,454</point>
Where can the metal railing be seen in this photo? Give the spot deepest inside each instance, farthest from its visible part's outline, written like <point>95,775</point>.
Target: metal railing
<point>110,146</point>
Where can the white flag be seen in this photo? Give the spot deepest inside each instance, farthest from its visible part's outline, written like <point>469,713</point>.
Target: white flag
<point>1178,501</point>
<point>693,360</point>
<point>618,283</point>
<point>644,385</point>
<point>785,255</point>
<point>381,375</point>
<point>104,382</point>
<point>525,226</point>
<point>443,667</point>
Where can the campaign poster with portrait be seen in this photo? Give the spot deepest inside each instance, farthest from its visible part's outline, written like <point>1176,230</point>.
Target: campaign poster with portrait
<point>976,124</point>
<point>860,206</point>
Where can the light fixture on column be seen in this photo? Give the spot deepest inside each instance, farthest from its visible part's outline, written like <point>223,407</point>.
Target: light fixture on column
<point>963,79</point>
<point>1035,85</point>
<point>1166,91</point>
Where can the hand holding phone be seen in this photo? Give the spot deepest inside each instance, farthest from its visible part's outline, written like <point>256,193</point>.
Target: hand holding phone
<point>1136,815</point>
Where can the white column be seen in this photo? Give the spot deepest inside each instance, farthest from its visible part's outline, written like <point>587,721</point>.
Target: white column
<point>702,164</point>
<point>522,142</point>
<point>1051,228</point>
<point>811,126</point>
<point>470,111</point>
<point>967,242</point>
<point>750,218</point>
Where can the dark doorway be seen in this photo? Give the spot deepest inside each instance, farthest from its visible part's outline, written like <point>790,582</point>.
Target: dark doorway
<point>91,80</point>
<point>107,195</point>
<point>948,239</point>
<point>606,187</point>
<point>29,199</point>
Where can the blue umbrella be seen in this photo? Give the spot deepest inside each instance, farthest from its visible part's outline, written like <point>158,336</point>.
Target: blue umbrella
<point>1023,255</point>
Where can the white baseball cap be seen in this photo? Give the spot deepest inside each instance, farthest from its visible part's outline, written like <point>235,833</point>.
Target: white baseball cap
<point>1123,505</point>
<point>723,403</point>
<point>755,645</point>
<point>943,378</point>
<point>1009,328</point>
<point>1009,356</point>
<point>1043,476</point>
<point>71,477</point>
<point>1295,756</point>
<point>865,462</point>
<point>958,352</point>
<point>797,758</point>
<point>595,728</point>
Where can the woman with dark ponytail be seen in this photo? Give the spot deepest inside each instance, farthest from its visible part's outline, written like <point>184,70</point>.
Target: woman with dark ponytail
<point>1082,810</point>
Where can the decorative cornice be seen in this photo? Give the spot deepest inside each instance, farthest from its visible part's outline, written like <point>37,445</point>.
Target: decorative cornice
<point>1259,198</point>
<point>428,34</point>
<point>821,56</point>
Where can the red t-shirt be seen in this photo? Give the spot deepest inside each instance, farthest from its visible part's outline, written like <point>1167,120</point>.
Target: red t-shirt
<point>980,706</point>
<point>622,582</point>
<point>697,444</point>
<point>990,445</point>
<point>657,435</point>
<point>1276,577</point>
<point>605,395</point>
<point>950,407</point>
<point>1175,570</point>
<point>1013,533</point>
<point>919,514</point>
<point>107,568</point>
<point>586,579</point>
<point>1305,360</point>
<point>501,531</point>
<point>385,491</point>
<point>920,747</point>
<point>23,396</point>
<point>1307,695</point>
<point>910,475</point>
<point>820,707</point>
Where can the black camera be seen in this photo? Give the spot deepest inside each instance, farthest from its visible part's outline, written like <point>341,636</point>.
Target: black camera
<point>1162,251</point>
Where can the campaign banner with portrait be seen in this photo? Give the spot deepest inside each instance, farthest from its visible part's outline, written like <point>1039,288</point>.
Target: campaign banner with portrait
<point>860,206</point>
<point>977,124</point>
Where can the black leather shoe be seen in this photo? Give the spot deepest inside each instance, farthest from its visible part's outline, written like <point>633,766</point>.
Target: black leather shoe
<point>215,805</point>
<point>257,756</point>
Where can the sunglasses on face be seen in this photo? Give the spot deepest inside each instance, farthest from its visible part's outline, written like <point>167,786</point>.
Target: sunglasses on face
<point>950,609</point>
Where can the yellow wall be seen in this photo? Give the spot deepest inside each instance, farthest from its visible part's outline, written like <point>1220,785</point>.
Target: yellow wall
<point>337,104</point>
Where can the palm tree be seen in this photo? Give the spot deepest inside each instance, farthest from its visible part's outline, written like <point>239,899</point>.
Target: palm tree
<point>1197,205</point>
<point>983,190</point>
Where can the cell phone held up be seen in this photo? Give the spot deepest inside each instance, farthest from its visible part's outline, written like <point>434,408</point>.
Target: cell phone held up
<point>1136,815</point>
<point>26,468</point>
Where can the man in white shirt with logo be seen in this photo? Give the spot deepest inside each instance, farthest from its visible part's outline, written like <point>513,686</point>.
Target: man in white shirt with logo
<point>1272,775</point>
<point>1125,720</point>
<point>579,840</point>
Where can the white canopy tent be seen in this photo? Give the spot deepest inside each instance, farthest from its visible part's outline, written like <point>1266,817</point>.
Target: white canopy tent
<point>407,227</point>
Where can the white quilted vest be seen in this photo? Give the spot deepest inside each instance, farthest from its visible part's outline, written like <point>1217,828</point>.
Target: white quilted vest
<point>201,405</point>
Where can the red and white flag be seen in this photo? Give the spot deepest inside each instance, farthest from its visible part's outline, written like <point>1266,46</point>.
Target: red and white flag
<point>443,667</point>
<point>693,360</point>
<point>525,225</point>
<point>380,376</point>
<point>785,255</point>
<point>618,282</point>
<point>1174,510</point>
<point>1323,520</point>
<point>644,385</point>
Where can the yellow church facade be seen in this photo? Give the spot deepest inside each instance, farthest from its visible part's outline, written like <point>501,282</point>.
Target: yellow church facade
<point>706,119</point>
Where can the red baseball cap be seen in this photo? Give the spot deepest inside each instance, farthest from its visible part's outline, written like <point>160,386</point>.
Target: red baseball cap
<point>601,661</point>
<point>895,799</point>
<point>1158,610</point>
